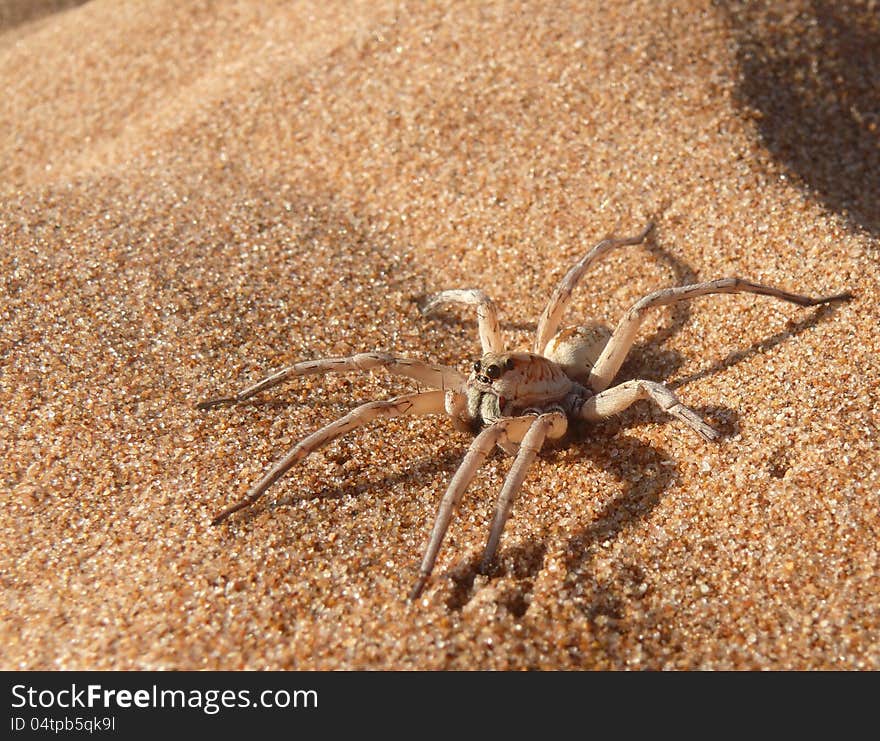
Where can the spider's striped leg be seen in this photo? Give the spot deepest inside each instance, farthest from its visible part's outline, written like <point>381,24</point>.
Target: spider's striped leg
<point>433,376</point>
<point>549,321</point>
<point>514,427</point>
<point>614,400</point>
<point>552,425</point>
<point>487,315</point>
<point>427,402</point>
<point>622,338</point>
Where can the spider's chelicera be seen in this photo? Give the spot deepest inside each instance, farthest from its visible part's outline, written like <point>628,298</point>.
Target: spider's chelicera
<point>515,400</point>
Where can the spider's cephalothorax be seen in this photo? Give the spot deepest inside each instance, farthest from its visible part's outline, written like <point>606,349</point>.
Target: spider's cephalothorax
<point>515,383</point>
<point>513,400</point>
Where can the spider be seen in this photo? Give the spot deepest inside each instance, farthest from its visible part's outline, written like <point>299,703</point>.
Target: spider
<point>515,400</point>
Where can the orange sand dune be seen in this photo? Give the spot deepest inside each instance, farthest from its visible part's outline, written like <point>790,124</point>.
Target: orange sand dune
<point>196,194</point>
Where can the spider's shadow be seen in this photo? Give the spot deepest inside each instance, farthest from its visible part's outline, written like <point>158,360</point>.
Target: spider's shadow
<point>523,562</point>
<point>737,356</point>
<point>420,470</point>
<point>636,500</point>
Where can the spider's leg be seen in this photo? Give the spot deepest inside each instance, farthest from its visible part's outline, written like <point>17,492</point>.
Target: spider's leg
<point>487,315</point>
<point>476,454</point>
<point>433,376</point>
<point>427,402</point>
<point>553,425</point>
<point>615,352</point>
<point>616,399</point>
<point>549,321</point>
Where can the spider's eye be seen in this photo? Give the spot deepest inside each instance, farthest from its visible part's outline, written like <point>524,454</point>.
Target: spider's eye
<point>509,364</point>
<point>477,366</point>
<point>493,371</point>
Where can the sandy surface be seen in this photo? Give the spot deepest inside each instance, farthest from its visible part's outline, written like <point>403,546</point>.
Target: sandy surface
<point>196,194</point>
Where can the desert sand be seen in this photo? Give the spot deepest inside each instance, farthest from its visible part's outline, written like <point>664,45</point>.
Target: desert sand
<point>197,194</point>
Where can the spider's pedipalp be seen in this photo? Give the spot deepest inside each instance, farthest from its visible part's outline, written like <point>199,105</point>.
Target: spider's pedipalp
<point>427,402</point>
<point>552,315</point>
<point>622,338</point>
<point>433,376</point>
<point>487,314</point>
<point>614,400</point>
<point>476,454</point>
<point>552,425</point>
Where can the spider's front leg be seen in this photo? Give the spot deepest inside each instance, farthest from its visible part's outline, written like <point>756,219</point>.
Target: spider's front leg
<point>513,428</point>
<point>433,376</point>
<point>609,361</point>
<point>427,402</point>
<point>550,425</point>
<point>487,314</point>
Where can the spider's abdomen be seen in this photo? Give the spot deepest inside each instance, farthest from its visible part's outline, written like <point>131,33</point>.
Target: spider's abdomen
<point>576,349</point>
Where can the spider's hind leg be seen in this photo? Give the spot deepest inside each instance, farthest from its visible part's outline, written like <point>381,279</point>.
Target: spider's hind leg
<point>616,399</point>
<point>615,352</point>
<point>552,314</point>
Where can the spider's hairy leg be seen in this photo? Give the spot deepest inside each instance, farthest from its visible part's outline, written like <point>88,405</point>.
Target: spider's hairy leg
<point>487,314</point>
<point>622,338</point>
<point>552,315</point>
<point>482,445</point>
<point>616,399</point>
<point>433,376</point>
<point>427,402</point>
<point>552,425</point>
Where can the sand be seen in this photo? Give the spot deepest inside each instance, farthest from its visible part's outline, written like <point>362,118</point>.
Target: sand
<point>197,194</point>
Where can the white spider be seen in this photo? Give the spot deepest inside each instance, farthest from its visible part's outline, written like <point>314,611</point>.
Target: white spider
<point>515,400</point>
